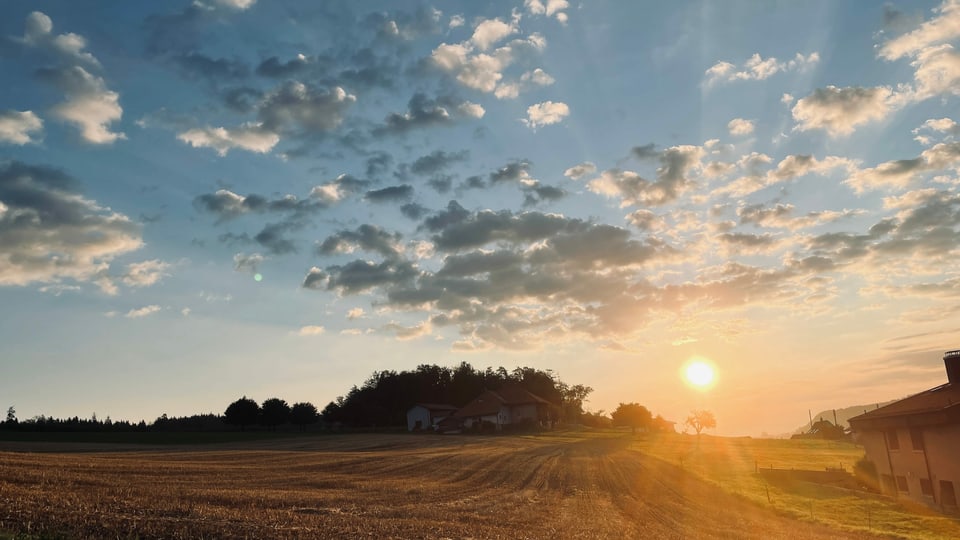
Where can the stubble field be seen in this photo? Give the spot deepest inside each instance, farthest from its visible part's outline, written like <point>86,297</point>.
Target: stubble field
<point>380,486</point>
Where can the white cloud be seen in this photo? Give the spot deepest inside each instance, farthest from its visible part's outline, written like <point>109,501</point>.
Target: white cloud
<point>18,127</point>
<point>311,330</point>
<point>491,31</point>
<point>900,173</point>
<point>740,126</point>
<point>471,109</point>
<point>456,21</point>
<point>146,273</point>
<point>355,313</point>
<point>250,137</point>
<point>944,27</point>
<point>756,68</point>
<point>538,77</point>
<point>581,170</point>
<point>142,312</point>
<point>243,262</point>
<point>38,32</point>
<point>552,8</point>
<point>787,99</point>
<point>545,114</point>
<point>839,110</point>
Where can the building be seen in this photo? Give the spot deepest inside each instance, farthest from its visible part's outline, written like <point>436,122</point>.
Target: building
<point>427,415</point>
<point>510,405</point>
<point>915,442</point>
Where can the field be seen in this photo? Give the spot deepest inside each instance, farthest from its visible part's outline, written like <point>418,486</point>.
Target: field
<point>562,485</point>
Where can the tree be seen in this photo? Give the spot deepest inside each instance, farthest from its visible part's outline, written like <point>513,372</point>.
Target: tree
<point>11,416</point>
<point>700,420</point>
<point>304,414</point>
<point>633,415</point>
<point>573,398</point>
<point>274,412</point>
<point>242,412</point>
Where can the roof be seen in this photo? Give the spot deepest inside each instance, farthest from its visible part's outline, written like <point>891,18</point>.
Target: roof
<point>938,405</point>
<point>435,407</point>
<point>489,402</point>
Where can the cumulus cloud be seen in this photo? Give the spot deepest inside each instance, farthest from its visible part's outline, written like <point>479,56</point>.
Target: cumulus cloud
<point>90,105</point>
<point>366,237</point>
<point>475,66</point>
<point>672,180</point>
<point>250,137</point>
<point>227,205</point>
<point>142,312</point>
<point>757,175</point>
<point>437,161</point>
<point>423,112</point>
<point>900,173</point>
<point>839,110</point>
<point>20,127</point>
<point>756,68</point>
<point>389,194</point>
<point>578,172</point>
<point>545,114</point>
<point>311,330</point>
<point>552,8</point>
<point>145,273</point>
<point>50,232</point>
<point>942,28</point>
<point>740,126</point>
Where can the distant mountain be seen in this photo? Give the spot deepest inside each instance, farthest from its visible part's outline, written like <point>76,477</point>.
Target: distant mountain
<point>843,415</point>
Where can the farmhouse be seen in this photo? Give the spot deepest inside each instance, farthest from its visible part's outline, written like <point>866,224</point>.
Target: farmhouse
<point>427,415</point>
<point>914,442</point>
<point>510,405</point>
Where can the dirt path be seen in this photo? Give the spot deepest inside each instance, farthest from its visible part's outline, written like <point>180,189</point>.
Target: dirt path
<point>381,487</point>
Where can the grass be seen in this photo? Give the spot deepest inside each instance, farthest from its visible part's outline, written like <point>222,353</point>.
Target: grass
<point>555,485</point>
<point>731,464</point>
<point>148,437</point>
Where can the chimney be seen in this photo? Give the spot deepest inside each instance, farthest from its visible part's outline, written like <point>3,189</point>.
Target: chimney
<point>951,360</point>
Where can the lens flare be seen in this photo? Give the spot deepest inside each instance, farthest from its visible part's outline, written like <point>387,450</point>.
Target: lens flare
<point>257,277</point>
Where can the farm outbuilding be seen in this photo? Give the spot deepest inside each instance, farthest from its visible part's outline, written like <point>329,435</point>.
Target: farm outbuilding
<point>914,442</point>
<point>427,415</point>
<point>509,405</point>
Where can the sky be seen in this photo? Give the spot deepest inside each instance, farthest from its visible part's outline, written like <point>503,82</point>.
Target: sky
<point>205,200</point>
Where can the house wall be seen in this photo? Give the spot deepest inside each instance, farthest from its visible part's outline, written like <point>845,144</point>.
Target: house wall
<point>907,467</point>
<point>519,413</point>
<point>418,413</point>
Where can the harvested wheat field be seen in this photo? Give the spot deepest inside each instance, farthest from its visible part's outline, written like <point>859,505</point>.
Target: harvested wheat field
<point>378,486</point>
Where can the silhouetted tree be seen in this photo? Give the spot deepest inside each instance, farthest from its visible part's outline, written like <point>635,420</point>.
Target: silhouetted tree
<point>242,412</point>
<point>304,414</point>
<point>700,420</point>
<point>573,398</point>
<point>11,416</point>
<point>633,415</point>
<point>274,412</point>
<point>663,425</point>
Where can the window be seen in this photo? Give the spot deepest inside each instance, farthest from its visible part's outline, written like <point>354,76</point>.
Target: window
<point>948,497</point>
<point>893,442</point>
<point>926,487</point>
<point>902,484</point>
<point>916,438</point>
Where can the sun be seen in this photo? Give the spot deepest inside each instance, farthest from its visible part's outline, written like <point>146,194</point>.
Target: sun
<point>699,373</point>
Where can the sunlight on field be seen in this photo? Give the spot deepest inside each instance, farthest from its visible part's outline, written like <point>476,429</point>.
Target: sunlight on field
<point>731,463</point>
<point>554,485</point>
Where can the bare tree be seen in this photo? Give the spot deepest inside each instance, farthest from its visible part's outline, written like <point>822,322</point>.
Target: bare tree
<point>700,420</point>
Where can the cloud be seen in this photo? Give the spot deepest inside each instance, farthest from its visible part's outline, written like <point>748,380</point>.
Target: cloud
<point>545,114</point>
<point>366,237</point>
<point>49,232</point>
<point>311,330</point>
<point>739,126</point>
<point>756,68</point>
<point>247,263</point>
<point>578,172</point>
<point>839,110</point>
<point>437,161</point>
<point>227,205</point>
<point>475,67</point>
<point>250,137</point>
<point>390,194</point>
<point>89,105</point>
<point>145,274</point>
<point>20,127</point>
<point>423,112</point>
<point>782,216</point>
<point>142,312</point>
<point>298,108</point>
<point>791,167</point>
<point>942,28</point>
<point>673,179</point>
<point>900,173</point>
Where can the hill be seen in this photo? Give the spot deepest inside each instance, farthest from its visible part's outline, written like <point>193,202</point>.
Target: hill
<point>843,415</point>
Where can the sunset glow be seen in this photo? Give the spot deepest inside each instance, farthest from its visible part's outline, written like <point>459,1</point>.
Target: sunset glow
<point>699,373</point>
